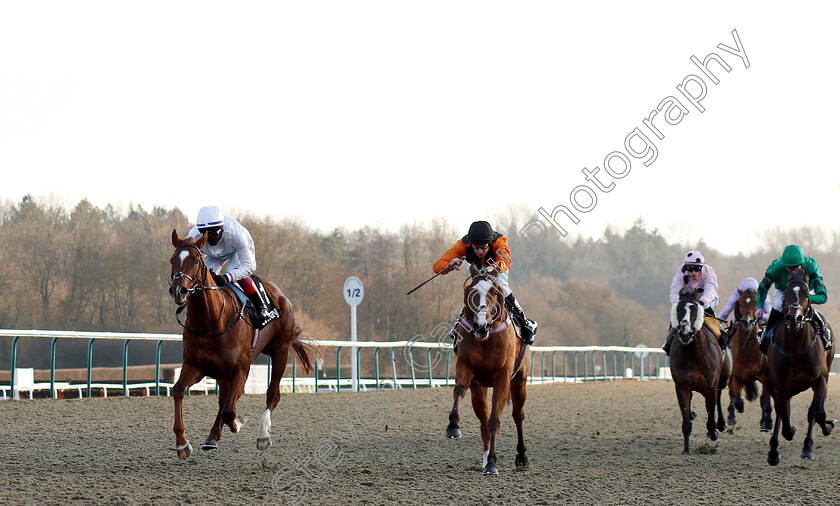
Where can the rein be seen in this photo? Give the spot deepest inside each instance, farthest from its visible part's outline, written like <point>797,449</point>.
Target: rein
<point>808,318</point>
<point>198,285</point>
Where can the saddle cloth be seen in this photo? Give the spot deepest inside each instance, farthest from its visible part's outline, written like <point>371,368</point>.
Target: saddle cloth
<point>250,310</point>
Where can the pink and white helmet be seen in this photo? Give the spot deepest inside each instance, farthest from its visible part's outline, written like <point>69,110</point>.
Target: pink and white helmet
<point>693,258</point>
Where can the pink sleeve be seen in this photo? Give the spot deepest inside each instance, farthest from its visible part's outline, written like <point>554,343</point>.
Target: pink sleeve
<point>710,286</point>
<point>676,286</point>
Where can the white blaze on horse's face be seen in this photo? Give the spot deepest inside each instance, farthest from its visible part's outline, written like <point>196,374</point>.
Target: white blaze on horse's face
<point>483,288</point>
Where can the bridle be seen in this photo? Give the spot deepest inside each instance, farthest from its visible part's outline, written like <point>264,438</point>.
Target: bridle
<point>196,285</point>
<point>199,285</point>
<point>472,325</point>
<point>745,324</point>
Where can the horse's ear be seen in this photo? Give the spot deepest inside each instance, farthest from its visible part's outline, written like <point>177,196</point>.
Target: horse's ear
<point>176,241</point>
<point>201,241</point>
<point>739,292</point>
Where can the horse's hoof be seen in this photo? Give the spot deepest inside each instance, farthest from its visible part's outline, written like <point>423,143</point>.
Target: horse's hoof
<point>829,426</point>
<point>773,458</point>
<point>453,433</point>
<point>713,435</point>
<point>808,454</point>
<point>263,443</point>
<point>764,429</point>
<point>731,420</point>
<point>184,451</point>
<point>490,469</point>
<point>686,452</point>
<point>210,444</point>
<point>238,423</point>
<point>693,414</point>
<point>789,435</point>
<point>521,462</point>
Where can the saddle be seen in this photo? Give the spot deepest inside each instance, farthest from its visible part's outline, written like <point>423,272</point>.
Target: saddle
<point>250,309</point>
<point>712,324</point>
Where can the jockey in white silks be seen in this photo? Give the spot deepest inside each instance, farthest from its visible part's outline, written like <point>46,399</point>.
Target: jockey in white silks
<point>228,242</point>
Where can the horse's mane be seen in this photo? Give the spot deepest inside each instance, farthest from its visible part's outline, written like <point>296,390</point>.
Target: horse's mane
<point>800,276</point>
<point>689,294</point>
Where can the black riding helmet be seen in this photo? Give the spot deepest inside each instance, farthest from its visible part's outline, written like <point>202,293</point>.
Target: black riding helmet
<point>480,233</point>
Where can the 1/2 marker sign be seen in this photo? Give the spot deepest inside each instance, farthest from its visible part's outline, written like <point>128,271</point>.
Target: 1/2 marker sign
<point>354,292</point>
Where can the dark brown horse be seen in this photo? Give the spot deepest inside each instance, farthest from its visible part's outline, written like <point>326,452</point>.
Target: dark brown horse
<point>697,365</point>
<point>749,365</point>
<point>488,348</point>
<point>796,362</point>
<point>217,343</point>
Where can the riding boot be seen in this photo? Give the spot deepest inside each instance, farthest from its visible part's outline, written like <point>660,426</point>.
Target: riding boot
<point>265,312</point>
<point>668,340</point>
<point>767,336</point>
<point>822,329</point>
<point>527,326</point>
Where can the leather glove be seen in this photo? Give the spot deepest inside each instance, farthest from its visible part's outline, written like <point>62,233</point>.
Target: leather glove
<point>220,280</point>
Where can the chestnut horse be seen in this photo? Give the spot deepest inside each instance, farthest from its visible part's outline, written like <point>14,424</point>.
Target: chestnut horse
<point>697,365</point>
<point>748,363</point>
<point>488,348</point>
<point>217,343</point>
<point>796,362</point>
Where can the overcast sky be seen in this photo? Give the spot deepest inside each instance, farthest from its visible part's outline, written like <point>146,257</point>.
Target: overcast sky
<point>385,113</point>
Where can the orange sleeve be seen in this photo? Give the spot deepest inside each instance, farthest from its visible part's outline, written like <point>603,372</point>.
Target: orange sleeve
<point>500,248</point>
<point>456,251</point>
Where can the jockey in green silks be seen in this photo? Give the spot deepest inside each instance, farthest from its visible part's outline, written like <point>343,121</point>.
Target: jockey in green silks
<point>779,271</point>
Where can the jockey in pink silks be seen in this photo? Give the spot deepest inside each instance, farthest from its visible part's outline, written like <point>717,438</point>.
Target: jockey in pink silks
<point>694,274</point>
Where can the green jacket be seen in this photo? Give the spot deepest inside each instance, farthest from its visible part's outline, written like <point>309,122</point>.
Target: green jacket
<point>778,274</point>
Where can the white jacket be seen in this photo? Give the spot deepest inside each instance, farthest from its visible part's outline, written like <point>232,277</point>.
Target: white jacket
<point>236,247</point>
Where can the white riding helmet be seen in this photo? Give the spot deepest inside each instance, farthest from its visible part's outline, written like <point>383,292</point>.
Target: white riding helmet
<point>209,217</point>
<point>693,258</point>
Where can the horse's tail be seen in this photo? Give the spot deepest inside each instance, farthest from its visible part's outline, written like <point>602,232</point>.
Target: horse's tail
<point>307,350</point>
<point>751,390</point>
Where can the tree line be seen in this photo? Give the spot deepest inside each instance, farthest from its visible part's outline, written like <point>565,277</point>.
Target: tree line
<point>100,269</point>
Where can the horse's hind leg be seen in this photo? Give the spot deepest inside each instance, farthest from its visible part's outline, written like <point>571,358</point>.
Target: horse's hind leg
<point>478,394</point>
<point>211,443</point>
<point>189,376</point>
<point>272,395</point>
<point>518,395</point>
<point>711,403</point>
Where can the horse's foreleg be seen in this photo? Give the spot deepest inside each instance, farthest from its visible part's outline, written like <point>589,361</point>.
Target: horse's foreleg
<point>820,415</point>
<point>501,394</point>
<point>684,400</point>
<point>735,387</point>
<point>189,376</point>
<point>773,455</point>
<point>721,424</point>
<point>236,386</point>
<point>478,395</point>
<point>272,396</point>
<point>766,411</point>
<point>783,411</point>
<point>711,398</point>
<point>463,378</point>
<point>518,395</point>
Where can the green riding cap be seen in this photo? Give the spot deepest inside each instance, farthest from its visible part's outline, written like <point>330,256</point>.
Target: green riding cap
<point>792,256</point>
